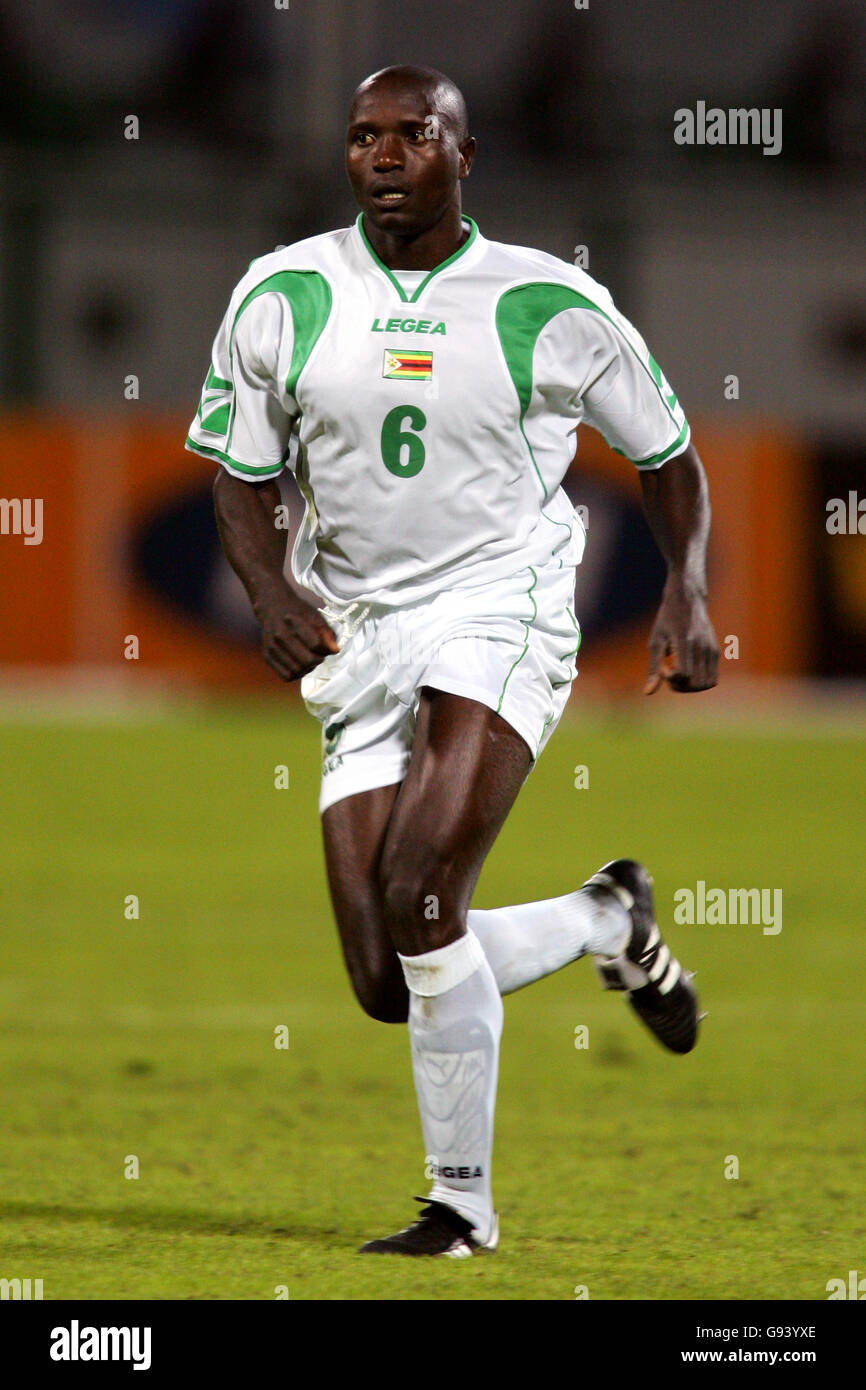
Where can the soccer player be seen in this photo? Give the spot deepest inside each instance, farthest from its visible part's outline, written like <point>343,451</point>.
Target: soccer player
<point>435,381</point>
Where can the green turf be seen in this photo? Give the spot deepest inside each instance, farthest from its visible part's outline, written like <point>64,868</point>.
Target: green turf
<point>262,1167</point>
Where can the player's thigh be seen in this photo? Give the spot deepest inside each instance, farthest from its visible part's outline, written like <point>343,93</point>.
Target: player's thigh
<point>466,769</point>
<point>353,831</point>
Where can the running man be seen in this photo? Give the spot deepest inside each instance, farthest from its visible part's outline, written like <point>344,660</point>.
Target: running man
<point>435,382</point>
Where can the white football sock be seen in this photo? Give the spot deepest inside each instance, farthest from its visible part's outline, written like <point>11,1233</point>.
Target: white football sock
<point>527,942</point>
<point>455,1023</point>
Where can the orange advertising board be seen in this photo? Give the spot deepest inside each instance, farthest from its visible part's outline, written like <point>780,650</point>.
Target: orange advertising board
<point>128,549</point>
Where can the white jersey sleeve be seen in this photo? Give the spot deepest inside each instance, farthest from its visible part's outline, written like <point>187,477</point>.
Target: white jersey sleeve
<point>244,420</point>
<point>629,400</point>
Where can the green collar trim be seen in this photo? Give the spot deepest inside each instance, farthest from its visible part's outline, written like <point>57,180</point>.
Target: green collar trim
<point>413,299</point>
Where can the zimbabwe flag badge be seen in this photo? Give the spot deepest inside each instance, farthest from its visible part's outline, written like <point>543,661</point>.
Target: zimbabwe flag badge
<point>407,366</point>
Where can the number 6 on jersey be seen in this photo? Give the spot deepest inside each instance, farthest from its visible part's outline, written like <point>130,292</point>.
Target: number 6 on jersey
<point>396,439</point>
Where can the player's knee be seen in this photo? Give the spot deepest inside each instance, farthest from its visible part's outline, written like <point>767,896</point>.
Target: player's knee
<point>381,998</point>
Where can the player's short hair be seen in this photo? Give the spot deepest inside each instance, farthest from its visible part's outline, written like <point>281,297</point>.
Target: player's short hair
<point>445,96</point>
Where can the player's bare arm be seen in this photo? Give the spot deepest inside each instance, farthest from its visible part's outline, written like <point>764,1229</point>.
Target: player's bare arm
<point>294,636</point>
<point>683,647</point>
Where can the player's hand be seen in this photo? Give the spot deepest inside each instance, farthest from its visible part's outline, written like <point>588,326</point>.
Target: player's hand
<point>683,647</point>
<point>295,637</point>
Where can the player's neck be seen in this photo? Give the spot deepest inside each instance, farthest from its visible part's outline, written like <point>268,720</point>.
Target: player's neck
<point>423,252</point>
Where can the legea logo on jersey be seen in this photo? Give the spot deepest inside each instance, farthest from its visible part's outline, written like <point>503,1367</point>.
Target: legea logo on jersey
<point>407,366</point>
<point>409,326</point>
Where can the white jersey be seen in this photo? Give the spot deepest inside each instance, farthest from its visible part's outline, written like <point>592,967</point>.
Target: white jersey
<point>435,413</point>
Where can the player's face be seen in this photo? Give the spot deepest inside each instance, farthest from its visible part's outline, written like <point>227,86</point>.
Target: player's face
<point>403,159</point>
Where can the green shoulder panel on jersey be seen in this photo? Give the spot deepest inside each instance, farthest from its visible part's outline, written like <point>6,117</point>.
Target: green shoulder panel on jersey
<point>524,312</point>
<point>310,299</point>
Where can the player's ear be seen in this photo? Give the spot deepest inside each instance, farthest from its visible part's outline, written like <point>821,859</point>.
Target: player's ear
<point>467,154</point>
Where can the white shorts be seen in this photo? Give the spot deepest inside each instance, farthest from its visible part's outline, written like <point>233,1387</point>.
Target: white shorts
<point>511,644</point>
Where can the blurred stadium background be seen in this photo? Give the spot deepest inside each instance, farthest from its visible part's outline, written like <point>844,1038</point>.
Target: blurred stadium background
<point>117,257</point>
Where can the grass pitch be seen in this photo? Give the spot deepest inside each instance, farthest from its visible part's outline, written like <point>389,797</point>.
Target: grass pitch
<point>263,1168</point>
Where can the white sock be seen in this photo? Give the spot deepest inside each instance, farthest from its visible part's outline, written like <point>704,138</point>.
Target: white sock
<point>527,942</point>
<point>455,1023</point>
